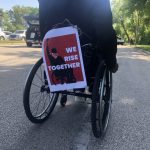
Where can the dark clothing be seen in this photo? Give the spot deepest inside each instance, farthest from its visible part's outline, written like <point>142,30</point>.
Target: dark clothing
<point>94,17</point>
<point>54,62</point>
<point>62,73</point>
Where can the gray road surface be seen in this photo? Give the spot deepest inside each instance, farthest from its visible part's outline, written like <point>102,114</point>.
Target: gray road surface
<point>69,128</point>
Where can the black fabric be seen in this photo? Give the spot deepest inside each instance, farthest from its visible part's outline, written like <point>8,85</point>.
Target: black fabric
<point>60,74</point>
<point>94,17</point>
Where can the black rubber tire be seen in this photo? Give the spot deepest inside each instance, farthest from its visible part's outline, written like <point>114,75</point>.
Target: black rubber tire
<point>27,96</point>
<point>29,44</point>
<point>63,100</point>
<point>101,104</point>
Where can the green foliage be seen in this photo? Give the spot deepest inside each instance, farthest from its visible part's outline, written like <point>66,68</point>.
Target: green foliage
<point>7,24</point>
<point>13,20</point>
<point>133,19</point>
<point>1,16</point>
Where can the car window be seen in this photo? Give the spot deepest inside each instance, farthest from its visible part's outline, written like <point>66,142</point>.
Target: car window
<point>19,32</point>
<point>7,33</point>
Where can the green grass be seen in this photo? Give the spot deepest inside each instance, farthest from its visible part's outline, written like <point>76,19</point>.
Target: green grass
<point>11,42</point>
<point>144,47</point>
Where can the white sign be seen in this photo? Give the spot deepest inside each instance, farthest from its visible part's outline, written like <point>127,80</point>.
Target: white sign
<point>63,59</point>
<point>32,35</point>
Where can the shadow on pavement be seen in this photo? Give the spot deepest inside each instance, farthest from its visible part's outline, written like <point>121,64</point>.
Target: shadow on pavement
<point>28,54</point>
<point>133,54</point>
<point>59,131</point>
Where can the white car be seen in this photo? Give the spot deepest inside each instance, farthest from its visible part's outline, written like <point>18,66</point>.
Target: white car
<point>120,40</point>
<point>18,35</point>
<point>7,34</point>
<point>2,35</point>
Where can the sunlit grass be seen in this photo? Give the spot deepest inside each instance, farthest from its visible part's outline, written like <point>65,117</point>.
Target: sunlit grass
<point>11,42</point>
<point>144,47</point>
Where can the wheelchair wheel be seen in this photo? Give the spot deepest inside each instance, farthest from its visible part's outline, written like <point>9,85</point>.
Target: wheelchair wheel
<point>38,101</point>
<point>101,100</point>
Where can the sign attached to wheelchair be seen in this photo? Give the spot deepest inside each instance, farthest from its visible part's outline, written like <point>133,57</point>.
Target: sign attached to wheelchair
<point>62,58</point>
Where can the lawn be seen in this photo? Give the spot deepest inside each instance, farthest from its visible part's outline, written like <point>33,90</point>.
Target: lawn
<point>144,47</point>
<point>12,42</point>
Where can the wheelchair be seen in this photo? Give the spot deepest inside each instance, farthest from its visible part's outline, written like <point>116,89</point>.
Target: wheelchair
<point>39,101</point>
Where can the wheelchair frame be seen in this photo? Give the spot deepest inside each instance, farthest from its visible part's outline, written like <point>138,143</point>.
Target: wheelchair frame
<point>101,97</point>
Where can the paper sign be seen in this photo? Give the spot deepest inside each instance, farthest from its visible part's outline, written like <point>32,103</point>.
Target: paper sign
<point>63,59</point>
<point>32,35</point>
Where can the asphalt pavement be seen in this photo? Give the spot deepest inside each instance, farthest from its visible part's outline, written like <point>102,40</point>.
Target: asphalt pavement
<point>69,128</point>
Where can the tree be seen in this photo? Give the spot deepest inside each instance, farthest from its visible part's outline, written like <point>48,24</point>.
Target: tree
<point>13,20</point>
<point>1,17</point>
<point>133,16</point>
<point>18,14</point>
<point>120,19</point>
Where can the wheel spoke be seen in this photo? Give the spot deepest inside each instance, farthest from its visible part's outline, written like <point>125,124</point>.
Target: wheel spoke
<point>35,98</point>
<point>40,78</point>
<point>38,105</point>
<point>45,101</point>
<point>41,72</point>
<point>36,85</point>
<point>35,93</point>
